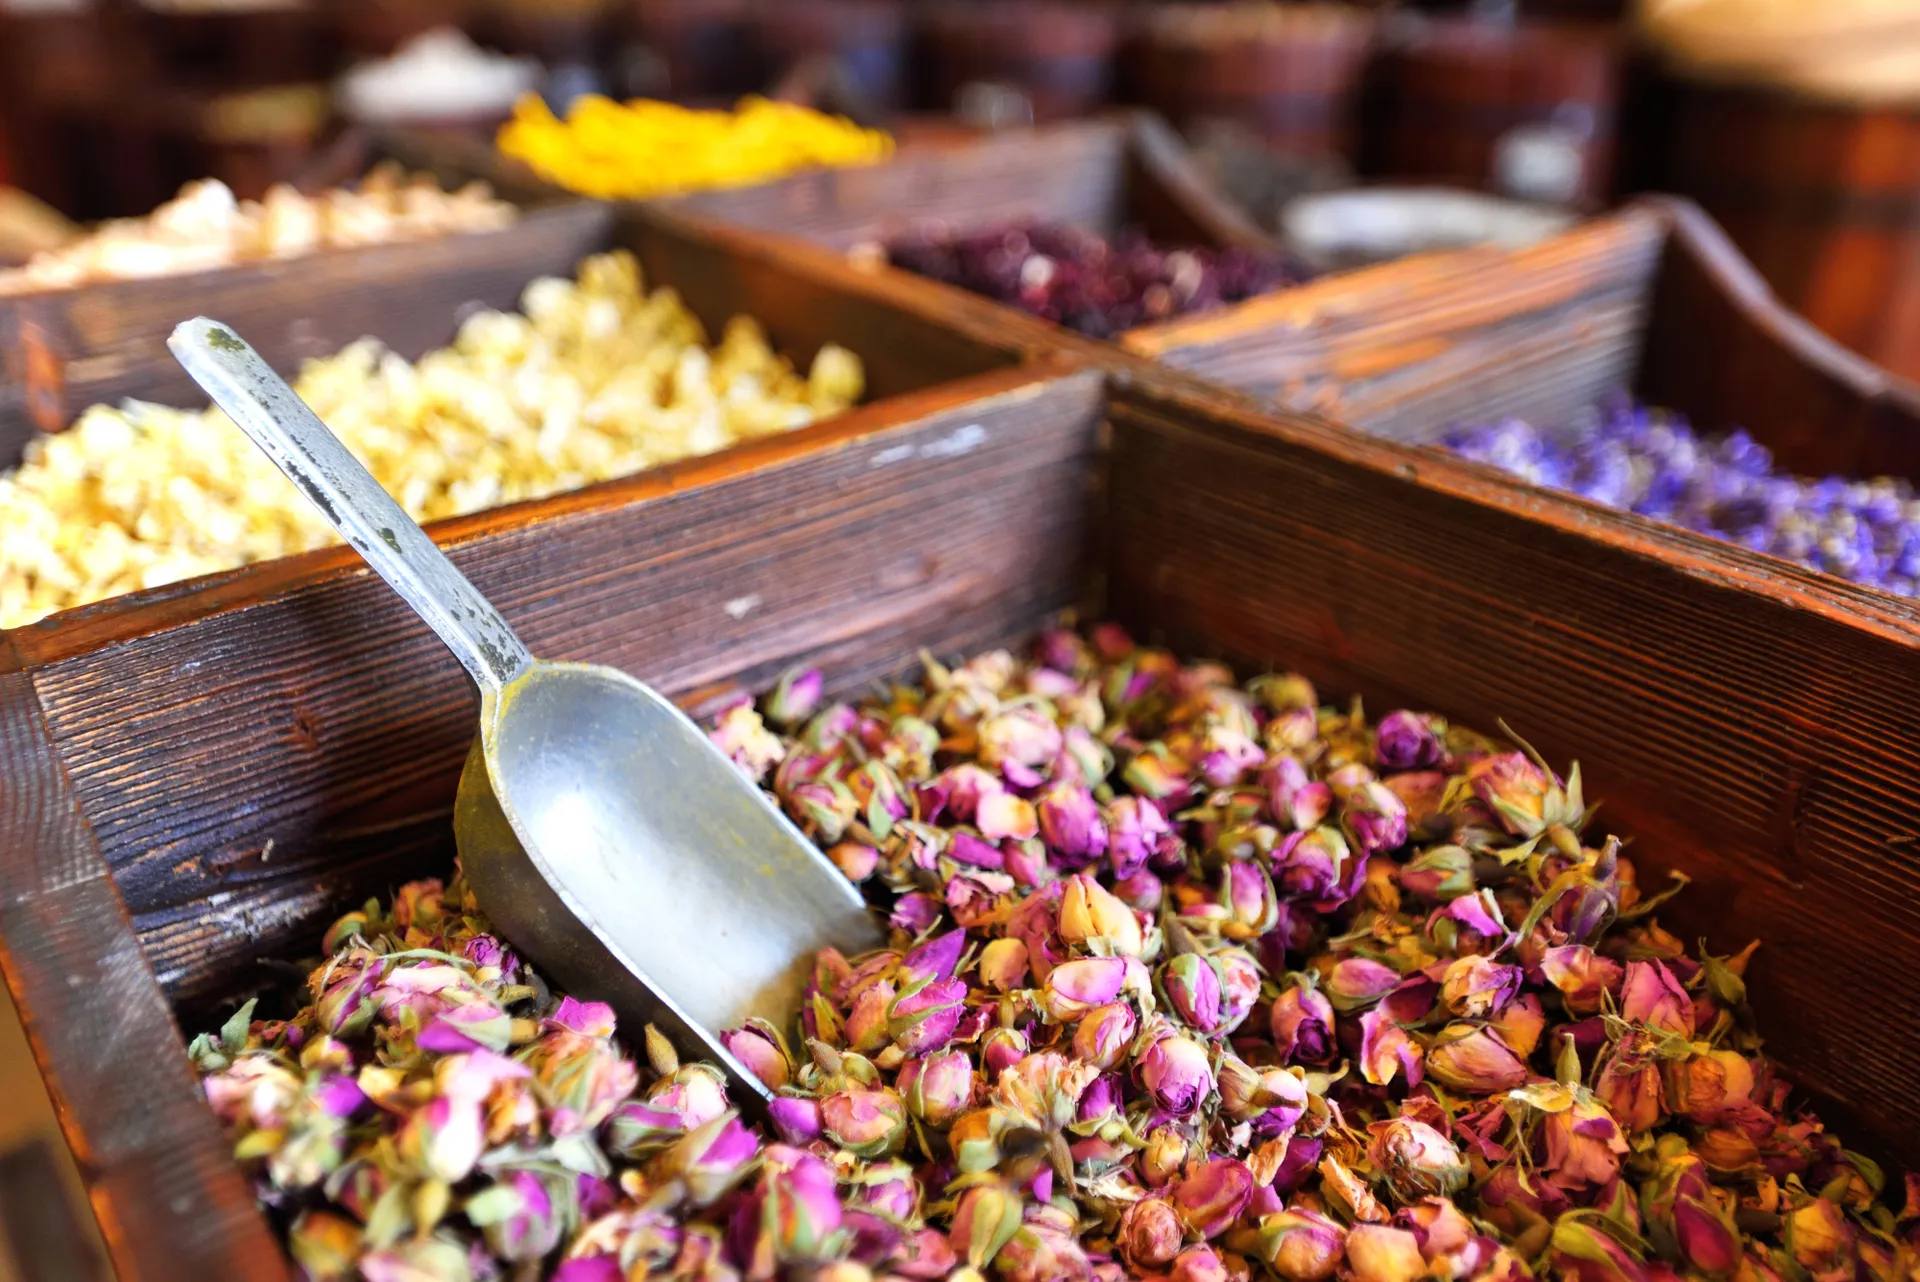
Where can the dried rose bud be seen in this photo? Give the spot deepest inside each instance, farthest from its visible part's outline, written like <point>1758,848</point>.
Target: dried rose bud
<point>985,1220</point>
<point>1441,873</point>
<point>1467,1057</point>
<point>1104,1034</point>
<point>1688,1220</point>
<point>1386,1051</point>
<point>1003,815</point>
<point>1165,1156</point>
<point>1629,1084</point>
<point>1137,832</point>
<point>1175,1072</point>
<point>1295,800</point>
<point>923,1018</point>
<point>1072,826</point>
<point>1580,1145</point>
<point>1073,988</point>
<point>866,1028</point>
<point>1001,1049</point>
<point>1417,1160</point>
<point>1514,789</point>
<point>1017,742</point>
<point>1358,982</point>
<point>1582,976</point>
<point>1317,865</point>
<point>1151,1234</point>
<point>1211,1196</point>
<point>1706,1088</point>
<point>1519,1024</point>
<point>420,1257</point>
<point>1088,911</point>
<point>1475,987</point>
<point>1247,894</point>
<point>1374,818</point>
<point>1302,1024</point>
<point>761,1051</point>
<point>1199,1264</point>
<point>939,1088</point>
<point>1583,1251</point>
<point>795,1120</point>
<point>879,795</point>
<point>1301,1245</point>
<point>1046,1249</point>
<point>823,809</point>
<point>705,1164</point>
<point>799,1212</point>
<point>1653,996</point>
<point>1003,965</point>
<point>1820,1239</point>
<point>795,697</point>
<point>1377,1253</point>
<point>522,1215</point>
<point>866,1123</point>
<point>1190,983</point>
<point>1408,741</point>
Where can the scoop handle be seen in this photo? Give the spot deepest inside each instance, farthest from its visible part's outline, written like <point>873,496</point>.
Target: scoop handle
<point>292,435</point>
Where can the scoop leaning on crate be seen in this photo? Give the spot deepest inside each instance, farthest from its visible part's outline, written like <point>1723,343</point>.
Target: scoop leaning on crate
<point>606,836</point>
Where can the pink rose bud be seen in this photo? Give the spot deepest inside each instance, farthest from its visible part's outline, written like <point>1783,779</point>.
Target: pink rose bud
<point>1358,982</point>
<point>1686,1217</point>
<point>802,1204</point>
<point>1581,1146</point>
<point>709,1162</point>
<point>761,1051</point>
<point>939,1088</point>
<point>1302,1025</point>
<point>1316,864</point>
<point>1151,1233</point>
<point>442,1139</point>
<point>1375,819</point>
<point>1386,1051</point>
<point>1137,832</point>
<point>1001,1049</point>
<point>1417,1160</point>
<point>795,1120</point>
<point>1652,996</point>
<point>1017,742</point>
<point>1191,986</point>
<point>1466,1057</point>
<point>1629,1084</point>
<point>1045,1250</point>
<point>1376,1253</point>
<point>1198,1264</point>
<point>866,1123</point>
<point>795,697</point>
<point>1407,741</point>
<point>923,1018</point>
<point>520,1215</point>
<point>1176,1073</point>
<point>1073,988</point>
<point>866,1027</point>
<point>1709,1088</point>
<point>1301,1245</point>
<point>985,1220</point>
<point>747,742</point>
<point>1470,924</point>
<point>1211,1196</point>
<point>1246,892</point>
<point>1104,1034</point>
<point>1582,1251</point>
<point>1519,1023</point>
<point>1072,826</point>
<point>1439,873</point>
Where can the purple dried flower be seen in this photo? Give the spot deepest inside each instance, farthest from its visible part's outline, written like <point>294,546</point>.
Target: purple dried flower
<point>1072,826</point>
<point>1407,741</point>
<point>939,1088</point>
<point>1104,1034</point>
<point>1151,1234</point>
<point>1073,988</point>
<point>1191,985</point>
<point>1375,818</point>
<point>866,1123</point>
<point>1176,1073</point>
<point>1302,1025</point>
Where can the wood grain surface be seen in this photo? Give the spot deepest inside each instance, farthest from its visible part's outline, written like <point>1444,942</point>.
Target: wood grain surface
<point>1757,729</point>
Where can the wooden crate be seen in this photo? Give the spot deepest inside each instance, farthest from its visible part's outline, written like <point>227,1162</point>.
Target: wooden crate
<point>184,794</point>
<point>1653,300</point>
<point>1123,170</point>
<point>413,298</point>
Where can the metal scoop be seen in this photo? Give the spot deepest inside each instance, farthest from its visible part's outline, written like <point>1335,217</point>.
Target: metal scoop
<point>605,835</point>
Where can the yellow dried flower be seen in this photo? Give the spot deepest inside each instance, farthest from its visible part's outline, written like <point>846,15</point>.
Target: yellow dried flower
<point>596,378</point>
<point>642,148</point>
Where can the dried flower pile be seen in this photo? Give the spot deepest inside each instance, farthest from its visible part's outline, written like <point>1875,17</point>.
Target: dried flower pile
<point>1077,278</point>
<point>598,379</point>
<point>639,149</point>
<point>1191,981</point>
<point>1651,462</point>
<point>206,227</point>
